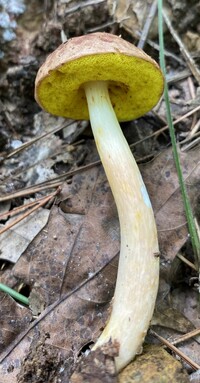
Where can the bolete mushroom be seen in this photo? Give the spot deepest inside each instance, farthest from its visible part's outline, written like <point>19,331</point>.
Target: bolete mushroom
<point>105,78</point>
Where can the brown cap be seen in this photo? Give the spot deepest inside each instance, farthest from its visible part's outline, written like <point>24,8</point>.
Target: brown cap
<point>134,79</point>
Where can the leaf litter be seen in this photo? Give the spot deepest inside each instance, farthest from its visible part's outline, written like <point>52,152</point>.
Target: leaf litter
<point>21,235</point>
<point>79,247</point>
<point>70,266</point>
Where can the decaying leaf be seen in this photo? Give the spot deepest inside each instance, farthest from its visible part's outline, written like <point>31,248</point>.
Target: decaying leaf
<point>130,14</point>
<point>169,317</point>
<point>16,239</point>
<point>75,247</point>
<point>161,179</point>
<point>41,364</point>
<point>72,322</point>
<point>14,319</point>
<point>81,237</point>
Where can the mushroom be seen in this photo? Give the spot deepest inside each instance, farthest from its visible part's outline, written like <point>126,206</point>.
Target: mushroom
<point>105,78</point>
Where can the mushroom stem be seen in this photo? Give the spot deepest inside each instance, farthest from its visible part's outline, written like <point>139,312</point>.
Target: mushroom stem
<point>138,272</point>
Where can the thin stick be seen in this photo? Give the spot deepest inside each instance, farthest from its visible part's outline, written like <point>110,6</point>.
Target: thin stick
<point>55,182</point>
<point>185,337</point>
<point>86,3</point>
<point>6,117</point>
<point>191,145</point>
<point>187,262</point>
<point>190,62</point>
<point>47,184</point>
<point>189,361</point>
<point>40,204</point>
<point>167,53</point>
<point>19,209</point>
<point>192,92</point>
<point>171,78</point>
<point>193,133</point>
<point>188,114</point>
<point>147,25</point>
<point>34,140</point>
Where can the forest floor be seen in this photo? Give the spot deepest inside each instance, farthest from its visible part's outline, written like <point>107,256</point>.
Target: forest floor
<point>59,227</point>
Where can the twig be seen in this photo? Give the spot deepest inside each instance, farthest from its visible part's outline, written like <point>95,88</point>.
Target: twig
<point>190,62</point>
<point>6,117</point>
<point>187,262</point>
<point>192,92</point>
<point>197,227</point>
<point>185,337</point>
<point>147,25</point>
<point>193,133</point>
<point>102,26</point>
<point>167,53</point>
<point>31,142</point>
<point>57,181</point>
<point>191,87</point>
<point>191,145</point>
<point>78,7</point>
<point>189,361</point>
<point>188,114</point>
<point>171,78</point>
<point>19,209</point>
<point>40,204</point>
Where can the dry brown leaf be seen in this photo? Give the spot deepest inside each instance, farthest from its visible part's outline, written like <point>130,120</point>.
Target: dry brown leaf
<point>169,317</point>
<point>130,14</point>
<point>15,240</point>
<point>82,236</point>
<point>161,179</point>
<point>71,323</point>
<point>41,364</point>
<point>67,254</point>
<point>14,319</point>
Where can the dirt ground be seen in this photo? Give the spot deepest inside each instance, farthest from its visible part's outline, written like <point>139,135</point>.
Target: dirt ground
<point>58,221</point>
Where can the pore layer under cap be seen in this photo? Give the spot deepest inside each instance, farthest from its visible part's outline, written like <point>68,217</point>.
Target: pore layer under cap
<point>134,79</point>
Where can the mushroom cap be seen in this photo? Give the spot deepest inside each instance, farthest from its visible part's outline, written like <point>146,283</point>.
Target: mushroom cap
<point>134,79</point>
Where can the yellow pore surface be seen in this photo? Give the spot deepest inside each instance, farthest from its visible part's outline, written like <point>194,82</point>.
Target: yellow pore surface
<point>135,85</point>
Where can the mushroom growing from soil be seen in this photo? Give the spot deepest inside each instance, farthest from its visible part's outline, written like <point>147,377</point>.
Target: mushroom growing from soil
<point>106,79</point>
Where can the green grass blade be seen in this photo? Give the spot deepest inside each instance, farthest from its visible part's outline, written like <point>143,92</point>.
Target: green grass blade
<point>188,210</point>
<point>19,297</point>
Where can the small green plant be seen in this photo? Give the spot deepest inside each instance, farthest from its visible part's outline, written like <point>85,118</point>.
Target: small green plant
<point>13,293</point>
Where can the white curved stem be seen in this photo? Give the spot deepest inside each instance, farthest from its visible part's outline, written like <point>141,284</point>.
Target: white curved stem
<point>138,272</point>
